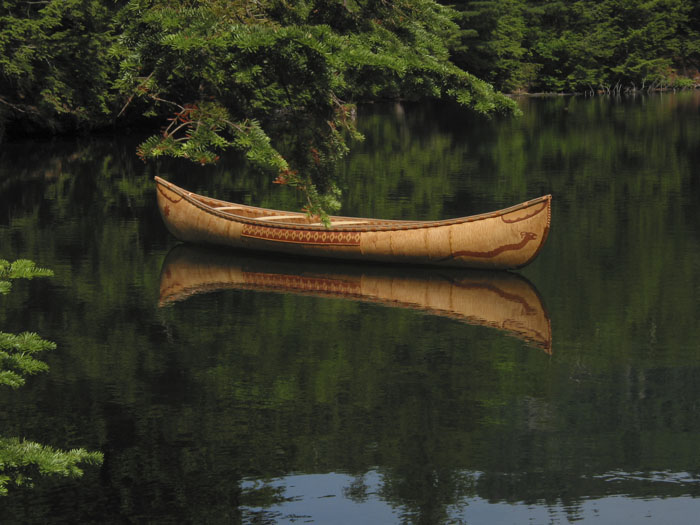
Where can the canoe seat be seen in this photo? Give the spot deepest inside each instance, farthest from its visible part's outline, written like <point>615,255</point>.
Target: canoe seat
<point>339,223</point>
<point>279,217</point>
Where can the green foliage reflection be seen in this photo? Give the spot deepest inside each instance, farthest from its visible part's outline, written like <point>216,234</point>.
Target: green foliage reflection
<point>234,385</point>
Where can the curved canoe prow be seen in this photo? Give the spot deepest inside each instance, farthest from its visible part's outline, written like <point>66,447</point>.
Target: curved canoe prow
<point>501,300</point>
<point>505,239</point>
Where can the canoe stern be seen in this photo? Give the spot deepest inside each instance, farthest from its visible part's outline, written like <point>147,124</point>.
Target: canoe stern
<point>496,241</point>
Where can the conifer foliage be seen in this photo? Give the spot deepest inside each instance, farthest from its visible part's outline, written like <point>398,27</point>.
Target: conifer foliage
<point>580,46</point>
<point>222,71</point>
<point>55,68</point>
<point>214,75</point>
<point>220,74</point>
<point>18,352</point>
<point>20,460</point>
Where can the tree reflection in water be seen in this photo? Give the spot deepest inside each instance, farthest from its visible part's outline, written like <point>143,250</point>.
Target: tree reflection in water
<point>195,403</point>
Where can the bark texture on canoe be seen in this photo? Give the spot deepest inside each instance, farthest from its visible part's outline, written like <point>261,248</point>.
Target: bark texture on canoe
<point>505,239</point>
<point>501,300</point>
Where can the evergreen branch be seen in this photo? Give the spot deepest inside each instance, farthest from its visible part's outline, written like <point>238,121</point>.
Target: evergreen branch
<point>131,97</point>
<point>20,459</point>
<point>11,379</point>
<point>21,269</point>
<point>13,106</point>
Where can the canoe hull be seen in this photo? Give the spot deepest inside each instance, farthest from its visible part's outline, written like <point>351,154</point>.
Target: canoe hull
<point>506,239</point>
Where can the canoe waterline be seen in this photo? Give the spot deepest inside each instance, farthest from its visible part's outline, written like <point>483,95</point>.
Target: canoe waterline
<point>505,301</point>
<point>505,239</point>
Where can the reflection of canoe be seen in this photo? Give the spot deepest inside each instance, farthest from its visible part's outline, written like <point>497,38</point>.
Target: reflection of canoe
<point>504,239</point>
<point>501,300</point>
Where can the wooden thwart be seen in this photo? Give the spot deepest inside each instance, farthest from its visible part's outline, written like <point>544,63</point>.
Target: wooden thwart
<point>278,217</point>
<point>340,223</point>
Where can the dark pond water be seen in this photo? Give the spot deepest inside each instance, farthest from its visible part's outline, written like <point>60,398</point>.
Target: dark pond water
<point>234,389</point>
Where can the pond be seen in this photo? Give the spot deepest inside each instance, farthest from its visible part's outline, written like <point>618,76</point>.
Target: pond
<point>231,388</point>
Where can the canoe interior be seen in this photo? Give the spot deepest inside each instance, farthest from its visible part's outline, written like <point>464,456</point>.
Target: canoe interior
<point>302,220</point>
<point>287,217</point>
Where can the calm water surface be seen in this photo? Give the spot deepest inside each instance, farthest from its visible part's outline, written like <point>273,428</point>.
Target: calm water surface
<point>224,388</point>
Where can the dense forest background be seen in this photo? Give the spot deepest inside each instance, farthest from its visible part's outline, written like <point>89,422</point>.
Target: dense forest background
<point>219,74</point>
<point>580,46</point>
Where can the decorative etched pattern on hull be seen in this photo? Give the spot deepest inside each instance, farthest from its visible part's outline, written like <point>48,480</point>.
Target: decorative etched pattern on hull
<point>334,238</point>
<point>526,237</point>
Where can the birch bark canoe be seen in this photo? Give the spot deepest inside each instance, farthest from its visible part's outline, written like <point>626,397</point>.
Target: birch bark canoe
<point>504,239</point>
<point>501,300</point>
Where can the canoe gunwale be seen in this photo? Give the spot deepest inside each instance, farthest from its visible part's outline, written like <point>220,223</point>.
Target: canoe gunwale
<point>374,225</point>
